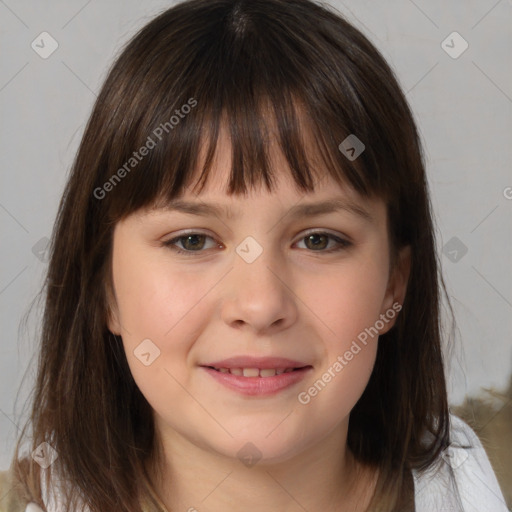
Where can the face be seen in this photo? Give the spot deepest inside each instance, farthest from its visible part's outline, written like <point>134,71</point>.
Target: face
<point>264,329</point>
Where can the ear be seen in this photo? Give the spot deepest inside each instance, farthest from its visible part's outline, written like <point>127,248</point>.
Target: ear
<point>397,288</point>
<point>113,323</point>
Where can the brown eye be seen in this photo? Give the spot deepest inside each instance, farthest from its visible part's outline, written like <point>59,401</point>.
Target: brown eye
<point>194,243</point>
<point>191,243</point>
<point>319,241</point>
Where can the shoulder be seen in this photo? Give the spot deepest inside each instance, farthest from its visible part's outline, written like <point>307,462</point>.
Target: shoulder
<point>10,498</point>
<point>462,480</point>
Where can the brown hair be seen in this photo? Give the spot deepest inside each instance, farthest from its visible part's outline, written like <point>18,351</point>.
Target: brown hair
<point>231,61</point>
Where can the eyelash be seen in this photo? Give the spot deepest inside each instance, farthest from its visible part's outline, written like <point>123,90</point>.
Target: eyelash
<point>342,244</point>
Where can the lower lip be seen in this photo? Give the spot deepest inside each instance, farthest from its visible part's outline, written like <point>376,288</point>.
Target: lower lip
<point>259,386</point>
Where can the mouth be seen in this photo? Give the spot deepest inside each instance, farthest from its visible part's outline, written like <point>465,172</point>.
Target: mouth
<point>257,377</point>
<point>256,372</point>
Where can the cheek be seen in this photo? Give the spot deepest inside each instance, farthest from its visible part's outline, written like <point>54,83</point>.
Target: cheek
<point>152,298</point>
<point>347,304</point>
<point>348,298</point>
<point>338,386</point>
<point>163,306</point>
<point>153,304</point>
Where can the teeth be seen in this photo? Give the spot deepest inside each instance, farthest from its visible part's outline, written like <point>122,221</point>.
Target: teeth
<point>255,372</point>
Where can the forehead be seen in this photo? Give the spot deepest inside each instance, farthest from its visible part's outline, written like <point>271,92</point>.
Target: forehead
<point>285,200</point>
<point>327,196</point>
<point>222,166</point>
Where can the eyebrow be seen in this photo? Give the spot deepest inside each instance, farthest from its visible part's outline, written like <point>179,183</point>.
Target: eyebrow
<point>297,211</point>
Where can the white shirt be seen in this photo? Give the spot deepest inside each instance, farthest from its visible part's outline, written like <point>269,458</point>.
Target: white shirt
<point>463,481</point>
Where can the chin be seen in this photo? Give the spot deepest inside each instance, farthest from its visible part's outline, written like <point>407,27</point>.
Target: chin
<point>256,446</point>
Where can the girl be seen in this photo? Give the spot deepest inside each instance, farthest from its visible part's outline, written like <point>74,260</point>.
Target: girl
<point>243,296</point>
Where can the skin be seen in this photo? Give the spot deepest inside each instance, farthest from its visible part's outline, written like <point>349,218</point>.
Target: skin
<point>293,301</point>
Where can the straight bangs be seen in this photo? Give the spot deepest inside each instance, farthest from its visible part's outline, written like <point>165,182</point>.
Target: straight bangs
<point>244,73</point>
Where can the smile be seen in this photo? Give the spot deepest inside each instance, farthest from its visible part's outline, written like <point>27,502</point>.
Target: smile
<point>257,382</point>
<point>256,372</point>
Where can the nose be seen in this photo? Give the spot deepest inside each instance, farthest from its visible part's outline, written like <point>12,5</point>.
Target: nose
<point>259,295</point>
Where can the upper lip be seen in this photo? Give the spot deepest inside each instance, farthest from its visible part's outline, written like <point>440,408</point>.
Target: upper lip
<point>256,362</point>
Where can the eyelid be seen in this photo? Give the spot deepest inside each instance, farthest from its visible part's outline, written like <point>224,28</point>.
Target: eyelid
<point>324,231</point>
<point>182,234</point>
<point>342,240</point>
<point>303,234</point>
<point>186,232</point>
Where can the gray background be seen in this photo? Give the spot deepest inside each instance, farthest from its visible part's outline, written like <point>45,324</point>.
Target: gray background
<point>463,107</point>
